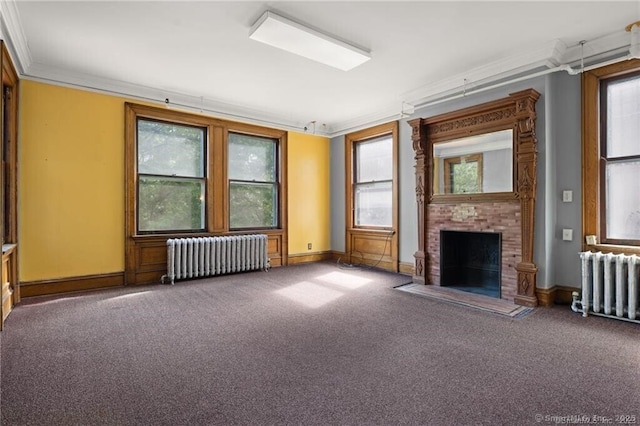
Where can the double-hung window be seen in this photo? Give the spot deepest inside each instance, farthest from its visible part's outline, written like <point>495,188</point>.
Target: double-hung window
<point>620,152</point>
<point>171,176</point>
<point>611,156</point>
<point>373,182</point>
<point>253,181</point>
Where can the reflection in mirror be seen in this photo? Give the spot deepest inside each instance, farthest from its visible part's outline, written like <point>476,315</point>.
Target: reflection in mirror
<point>473,165</point>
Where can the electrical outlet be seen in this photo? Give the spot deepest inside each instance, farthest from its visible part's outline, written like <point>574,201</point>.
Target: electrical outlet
<point>567,196</point>
<point>567,234</point>
<point>309,246</point>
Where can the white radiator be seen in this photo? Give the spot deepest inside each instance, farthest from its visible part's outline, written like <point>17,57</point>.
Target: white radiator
<point>609,286</point>
<point>207,256</point>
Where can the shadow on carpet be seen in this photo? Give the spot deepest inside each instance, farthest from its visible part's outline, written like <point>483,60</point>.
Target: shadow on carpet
<point>463,298</point>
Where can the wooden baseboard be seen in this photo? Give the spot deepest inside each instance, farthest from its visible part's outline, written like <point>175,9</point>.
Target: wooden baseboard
<point>556,294</point>
<point>564,295</point>
<point>546,296</point>
<point>406,268</point>
<point>66,285</point>
<point>309,257</point>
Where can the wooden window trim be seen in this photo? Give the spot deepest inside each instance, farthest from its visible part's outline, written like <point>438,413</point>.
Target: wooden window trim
<point>367,235</point>
<point>9,102</point>
<point>592,164</point>
<point>203,179</point>
<point>274,183</point>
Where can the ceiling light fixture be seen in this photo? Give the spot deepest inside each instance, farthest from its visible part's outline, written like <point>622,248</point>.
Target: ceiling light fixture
<point>297,38</point>
<point>634,47</point>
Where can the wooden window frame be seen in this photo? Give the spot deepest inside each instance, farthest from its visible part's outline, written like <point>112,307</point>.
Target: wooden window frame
<point>593,162</point>
<point>275,184</point>
<point>145,253</point>
<point>183,178</point>
<point>357,183</point>
<point>367,244</point>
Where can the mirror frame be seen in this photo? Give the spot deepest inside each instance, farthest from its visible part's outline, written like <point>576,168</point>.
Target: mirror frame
<point>517,111</point>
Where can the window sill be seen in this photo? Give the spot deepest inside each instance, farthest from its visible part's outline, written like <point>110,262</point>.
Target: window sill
<point>613,248</point>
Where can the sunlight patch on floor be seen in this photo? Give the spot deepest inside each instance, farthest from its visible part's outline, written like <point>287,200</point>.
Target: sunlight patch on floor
<point>126,296</point>
<point>309,294</point>
<point>344,279</point>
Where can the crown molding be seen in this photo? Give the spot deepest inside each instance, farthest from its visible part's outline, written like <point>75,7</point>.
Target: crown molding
<point>176,100</point>
<point>546,55</point>
<point>14,35</point>
<point>598,48</point>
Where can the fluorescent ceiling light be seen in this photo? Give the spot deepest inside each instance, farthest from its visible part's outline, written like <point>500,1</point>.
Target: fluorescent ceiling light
<point>293,37</point>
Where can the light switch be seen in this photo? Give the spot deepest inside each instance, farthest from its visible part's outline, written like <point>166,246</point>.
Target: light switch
<point>567,196</point>
<point>567,234</point>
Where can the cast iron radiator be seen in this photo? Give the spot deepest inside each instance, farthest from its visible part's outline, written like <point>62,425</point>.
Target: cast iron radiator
<point>207,256</point>
<point>609,286</point>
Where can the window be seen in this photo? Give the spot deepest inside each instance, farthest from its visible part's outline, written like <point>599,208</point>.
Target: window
<point>189,175</point>
<point>611,160</point>
<point>371,160</point>
<point>620,152</point>
<point>373,191</point>
<point>253,182</point>
<point>171,177</point>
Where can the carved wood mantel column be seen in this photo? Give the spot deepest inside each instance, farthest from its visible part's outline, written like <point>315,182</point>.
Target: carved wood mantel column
<point>418,136</point>
<point>526,157</point>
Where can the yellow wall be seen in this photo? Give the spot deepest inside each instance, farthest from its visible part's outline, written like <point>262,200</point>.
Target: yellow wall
<point>71,184</point>
<point>308,168</point>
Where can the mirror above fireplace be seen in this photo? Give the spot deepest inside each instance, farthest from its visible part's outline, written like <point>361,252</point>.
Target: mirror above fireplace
<point>476,164</point>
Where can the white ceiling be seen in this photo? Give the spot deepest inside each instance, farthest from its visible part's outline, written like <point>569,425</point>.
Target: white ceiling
<point>198,53</point>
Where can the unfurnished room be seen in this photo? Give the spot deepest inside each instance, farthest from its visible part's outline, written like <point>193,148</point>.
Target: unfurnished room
<point>320,212</point>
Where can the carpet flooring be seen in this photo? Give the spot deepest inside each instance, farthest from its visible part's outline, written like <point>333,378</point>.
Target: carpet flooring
<point>308,344</point>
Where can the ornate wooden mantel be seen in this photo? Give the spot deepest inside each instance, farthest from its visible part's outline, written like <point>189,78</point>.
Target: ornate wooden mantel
<point>517,112</point>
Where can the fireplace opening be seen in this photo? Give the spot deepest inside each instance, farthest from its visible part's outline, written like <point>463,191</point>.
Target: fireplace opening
<point>471,261</point>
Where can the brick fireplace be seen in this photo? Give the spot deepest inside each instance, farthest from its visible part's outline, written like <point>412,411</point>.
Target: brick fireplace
<point>498,217</point>
<point>510,213</point>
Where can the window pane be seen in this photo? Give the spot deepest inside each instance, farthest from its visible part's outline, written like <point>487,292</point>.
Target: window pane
<point>623,118</point>
<point>170,149</point>
<point>166,204</point>
<point>374,160</point>
<point>373,202</point>
<point>252,205</point>
<point>623,200</point>
<point>252,158</point>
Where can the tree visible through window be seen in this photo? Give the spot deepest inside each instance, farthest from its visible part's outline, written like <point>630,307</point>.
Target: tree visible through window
<point>171,177</point>
<point>253,182</point>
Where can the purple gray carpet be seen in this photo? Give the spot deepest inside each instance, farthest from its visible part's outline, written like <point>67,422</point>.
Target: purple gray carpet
<point>309,344</point>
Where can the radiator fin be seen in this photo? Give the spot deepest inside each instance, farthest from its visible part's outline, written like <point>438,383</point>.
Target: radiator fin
<point>208,256</point>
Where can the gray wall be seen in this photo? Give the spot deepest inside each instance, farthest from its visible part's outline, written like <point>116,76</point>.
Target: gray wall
<point>566,131</point>
<point>559,165</point>
<point>337,197</point>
